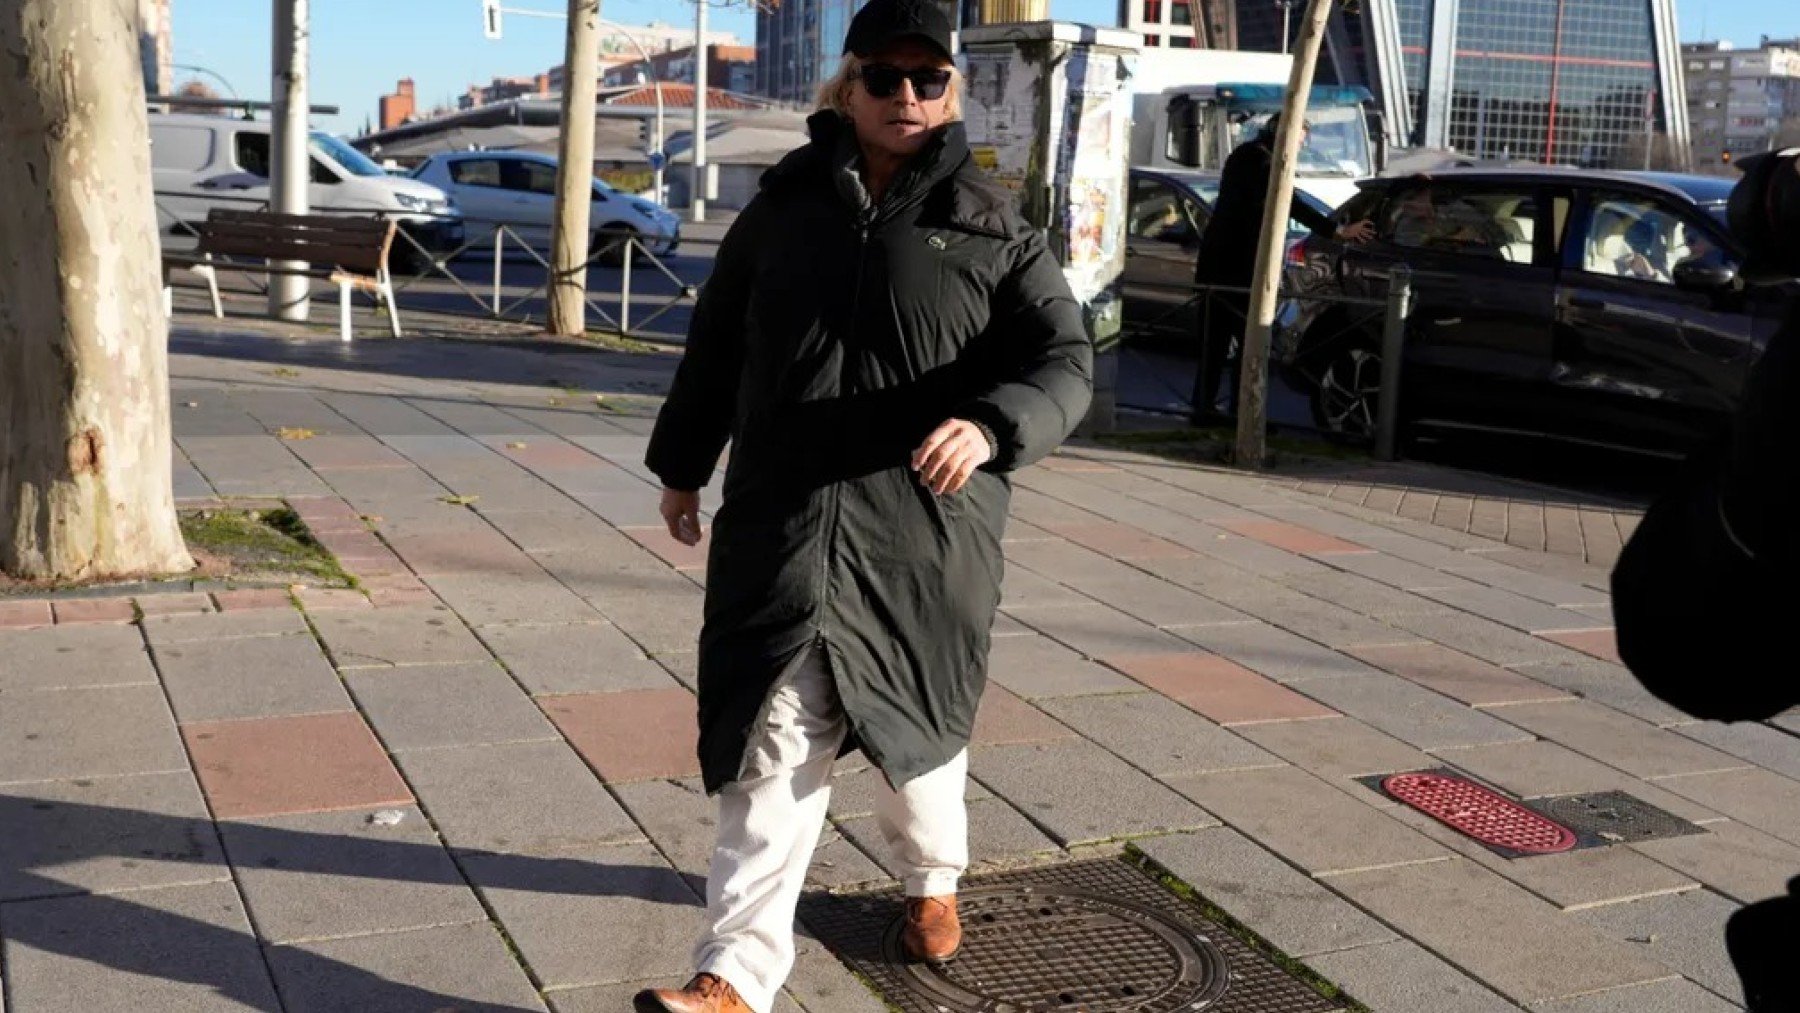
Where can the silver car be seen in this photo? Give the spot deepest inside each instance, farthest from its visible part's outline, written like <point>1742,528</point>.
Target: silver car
<point>518,190</point>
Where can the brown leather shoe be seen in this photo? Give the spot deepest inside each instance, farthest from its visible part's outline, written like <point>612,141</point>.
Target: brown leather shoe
<point>933,934</point>
<point>707,993</point>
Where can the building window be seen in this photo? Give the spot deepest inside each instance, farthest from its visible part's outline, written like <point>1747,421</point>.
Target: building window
<point>1183,42</point>
<point>1152,40</point>
<point>1181,13</point>
<point>1153,12</point>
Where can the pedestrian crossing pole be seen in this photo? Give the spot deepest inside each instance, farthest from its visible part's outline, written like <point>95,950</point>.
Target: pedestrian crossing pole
<point>1253,386</point>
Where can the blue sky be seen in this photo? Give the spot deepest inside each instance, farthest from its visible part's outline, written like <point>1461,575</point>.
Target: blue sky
<point>361,47</point>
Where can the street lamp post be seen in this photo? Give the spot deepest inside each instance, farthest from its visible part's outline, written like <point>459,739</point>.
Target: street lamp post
<point>698,198</point>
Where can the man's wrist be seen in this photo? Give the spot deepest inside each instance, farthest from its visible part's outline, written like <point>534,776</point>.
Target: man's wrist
<point>993,442</point>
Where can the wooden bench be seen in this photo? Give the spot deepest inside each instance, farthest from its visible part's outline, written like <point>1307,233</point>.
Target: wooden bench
<point>351,253</point>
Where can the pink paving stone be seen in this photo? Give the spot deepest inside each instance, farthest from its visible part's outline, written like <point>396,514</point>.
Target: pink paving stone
<point>95,610</point>
<point>1291,537</point>
<point>670,551</point>
<point>1121,541</point>
<point>247,598</point>
<point>322,507</point>
<point>1004,719</point>
<point>310,763</point>
<point>635,735</point>
<point>384,564</point>
<point>186,603</point>
<point>1601,643</point>
<point>1456,675</point>
<point>1219,689</point>
<point>347,542</point>
<point>324,599</point>
<point>21,614</point>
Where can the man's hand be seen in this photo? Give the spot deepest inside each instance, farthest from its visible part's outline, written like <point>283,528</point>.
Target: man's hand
<point>1357,232</point>
<point>681,512</point>
<point>950,455</point>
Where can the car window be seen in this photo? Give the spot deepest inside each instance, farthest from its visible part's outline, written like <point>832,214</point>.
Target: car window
<point>321,173</point>
<point>1630,237</point>
<point>1491,224</point>
<point>252,153</point>
<point>475,172</point>
<point>1162,213</point>
<point>531,177</point>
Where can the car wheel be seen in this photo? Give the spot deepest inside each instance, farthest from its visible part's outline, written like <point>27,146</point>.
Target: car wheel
<point>611,243</point>
<point>1347,398</point>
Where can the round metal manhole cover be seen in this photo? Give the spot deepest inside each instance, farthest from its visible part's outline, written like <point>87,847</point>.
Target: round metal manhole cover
<point>1035,950</point>
<point>1485,815</point>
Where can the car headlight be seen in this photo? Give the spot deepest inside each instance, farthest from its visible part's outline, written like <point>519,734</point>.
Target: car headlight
<point>411,202</point>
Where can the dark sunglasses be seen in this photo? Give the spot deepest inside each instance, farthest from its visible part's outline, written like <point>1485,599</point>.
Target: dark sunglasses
<point>883,81</point>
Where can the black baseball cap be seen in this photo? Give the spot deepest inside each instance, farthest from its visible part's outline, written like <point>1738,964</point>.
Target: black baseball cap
<point>1764,210</point>
<point>883,22</point>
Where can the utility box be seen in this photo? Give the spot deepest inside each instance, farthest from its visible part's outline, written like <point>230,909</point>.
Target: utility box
<point>1047,106</point>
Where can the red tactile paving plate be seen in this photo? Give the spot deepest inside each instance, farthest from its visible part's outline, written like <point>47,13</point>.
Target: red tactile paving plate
<point>1480,813</point>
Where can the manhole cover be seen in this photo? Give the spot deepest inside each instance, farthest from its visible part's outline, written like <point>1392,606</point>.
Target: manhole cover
<point>1479,812</point>
<point>1030,949</point>
<point>1613,817</point>
<point>1096,937</point>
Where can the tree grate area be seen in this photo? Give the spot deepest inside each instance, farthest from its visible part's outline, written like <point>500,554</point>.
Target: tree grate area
<point>1097,936</point>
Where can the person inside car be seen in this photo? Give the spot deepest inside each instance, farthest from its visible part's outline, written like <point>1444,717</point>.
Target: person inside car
<point>1646,255</point>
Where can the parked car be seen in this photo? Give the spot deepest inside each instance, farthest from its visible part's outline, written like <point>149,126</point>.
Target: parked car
<point>1168,211</point>
<point>1596,307</point>
<point>203,162</point>
<point>518,190</point>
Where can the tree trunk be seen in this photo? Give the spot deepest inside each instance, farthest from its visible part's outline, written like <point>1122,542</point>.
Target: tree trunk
<point>575,173</point>
<point>85,486</point>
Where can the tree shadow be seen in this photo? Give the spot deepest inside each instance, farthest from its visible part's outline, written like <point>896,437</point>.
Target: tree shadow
<point>172,935</point>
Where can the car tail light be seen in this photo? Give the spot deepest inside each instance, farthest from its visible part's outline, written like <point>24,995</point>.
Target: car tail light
<point>1296,253</point>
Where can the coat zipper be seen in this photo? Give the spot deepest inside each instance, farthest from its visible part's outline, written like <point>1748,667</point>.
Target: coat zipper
<point>831,524</point>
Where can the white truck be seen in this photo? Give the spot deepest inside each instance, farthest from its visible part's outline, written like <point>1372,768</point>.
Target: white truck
<point>1191,107</point>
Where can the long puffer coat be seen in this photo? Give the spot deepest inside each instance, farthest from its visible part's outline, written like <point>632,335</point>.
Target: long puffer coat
<point>832,338</point>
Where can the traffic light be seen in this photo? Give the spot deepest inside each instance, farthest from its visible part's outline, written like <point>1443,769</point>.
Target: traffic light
<point>1725,157</point>
<point>490,18</point>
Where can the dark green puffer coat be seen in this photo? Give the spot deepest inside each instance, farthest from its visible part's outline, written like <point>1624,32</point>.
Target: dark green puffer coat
<point>832,338</point>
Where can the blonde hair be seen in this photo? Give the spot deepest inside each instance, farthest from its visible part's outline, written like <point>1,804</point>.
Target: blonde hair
<point>835,93</point>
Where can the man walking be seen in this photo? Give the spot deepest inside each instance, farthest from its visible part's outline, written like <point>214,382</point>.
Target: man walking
<point>1227,259</point>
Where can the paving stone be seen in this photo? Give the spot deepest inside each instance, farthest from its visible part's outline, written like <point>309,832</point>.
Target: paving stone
<point>1100,631</point>
<point>326,599</point>
<point>683,666</point>
<point>1410,712</point>
<point>1260,557</point>
<point>679,819</point>
<point>1120,541</point>
<point>1221,689</point>
<point>1000,837</point>
<point>552,908</point>
<point>1685,933</point>
<point>331,453</point>
<point>822,984</point>
<point>1763,745</point>
<point>433,706</point>
<point>1006,626</point>
<point>1513,610</point>
<point>1456,675</point>
<point>1484,638</point>
<point>615,997</point>
<point>398,637</point>
<point>276,766</point>
<point>593,657</point>
<point>1362,595</point>
<point>232,624</point>
<point>1004,719</point>
<point>1284,906</point>
<point>491,599</point>
<point>1021,588</point>
<point>553,526</point>
<point>630,735</point>
<point>73,657</point>
<point>1542,955</point>
<point>1036,667</point>
<point>1573,880</point>
<point>462,967</point>
<point>1331,625</point>
<point>97,732</point>
<point>1676,995</point>
<point>1276,653</point>
<point>185,948</point>
<point>1339,750</point>
<point>105,835</point>
<point>1220,581</point>
<point>477,550</point>
<point>1402,977</point>
<point>334,874</point>
<point>1399,573</point>
<point>174,604</point>
<point>1609,684</point>
<point>1624,742</point>
<point>658,622</point>
<point>1601,643</point>
<point>524,798</point>
<point>94,610</point>
<point>1291,537</point>
<point>1158,735</point>
<point>219,680</point>
<point>1315,826</point>
<point>839,862</point>
<point>1764,800</point>
<point>1741,862</point>
<point>1063,561</point>
<point>25,614</point>
<point>1053,785</point>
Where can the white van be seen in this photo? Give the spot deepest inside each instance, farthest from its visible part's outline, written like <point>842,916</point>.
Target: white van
<point>203,162</point>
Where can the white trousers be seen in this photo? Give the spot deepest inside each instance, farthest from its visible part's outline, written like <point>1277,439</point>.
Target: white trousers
<point>769,823</point>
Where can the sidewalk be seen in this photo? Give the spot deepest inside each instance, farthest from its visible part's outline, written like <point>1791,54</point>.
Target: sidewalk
<point>474,788</point>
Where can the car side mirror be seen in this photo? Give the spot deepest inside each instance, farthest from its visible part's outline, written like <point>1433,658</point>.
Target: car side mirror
<point>1696,277</point>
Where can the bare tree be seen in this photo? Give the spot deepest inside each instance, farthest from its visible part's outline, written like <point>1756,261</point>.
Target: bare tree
<point>85,482</point>
<point>195,88</point>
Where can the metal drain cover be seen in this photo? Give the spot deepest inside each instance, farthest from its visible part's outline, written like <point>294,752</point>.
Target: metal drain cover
<point>1097,936</point>
<point>1479,812</point>
<point>1613,817</point>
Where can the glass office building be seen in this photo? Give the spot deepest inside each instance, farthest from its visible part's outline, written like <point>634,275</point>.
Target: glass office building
<point>799,44</point>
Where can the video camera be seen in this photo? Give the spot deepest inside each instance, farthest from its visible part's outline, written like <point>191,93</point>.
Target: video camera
<point>1765,215</point>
